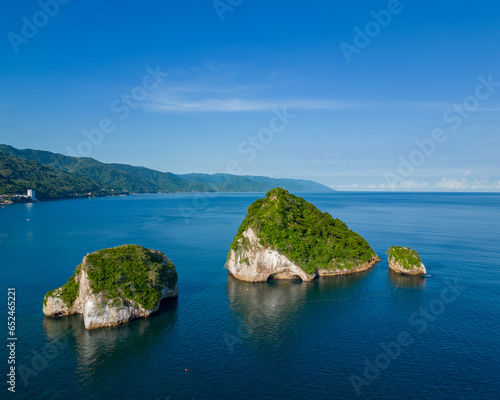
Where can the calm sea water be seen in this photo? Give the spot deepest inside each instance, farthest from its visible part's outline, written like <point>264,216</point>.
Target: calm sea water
<point>226,339</point>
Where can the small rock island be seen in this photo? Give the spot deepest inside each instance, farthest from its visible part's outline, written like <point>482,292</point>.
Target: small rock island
<point>404,260</point>
<point>285,237</point>
<point>114,286</point>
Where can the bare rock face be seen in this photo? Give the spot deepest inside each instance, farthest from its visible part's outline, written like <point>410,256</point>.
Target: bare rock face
<point>398,267</point>
<point>150,270</point>
<point>259,264</point>
<point>99,312</point>
<point>54,306</point>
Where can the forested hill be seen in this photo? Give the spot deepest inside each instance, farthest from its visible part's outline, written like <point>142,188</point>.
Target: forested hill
<point>17,175</point>
<point>58,176</point>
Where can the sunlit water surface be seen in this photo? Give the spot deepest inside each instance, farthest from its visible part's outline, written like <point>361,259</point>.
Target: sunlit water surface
<point>227,339</point>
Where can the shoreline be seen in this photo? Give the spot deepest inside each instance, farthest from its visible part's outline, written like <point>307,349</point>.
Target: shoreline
<point>2,205</point>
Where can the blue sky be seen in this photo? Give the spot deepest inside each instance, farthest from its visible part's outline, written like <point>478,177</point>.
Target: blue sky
<point>378,95</point>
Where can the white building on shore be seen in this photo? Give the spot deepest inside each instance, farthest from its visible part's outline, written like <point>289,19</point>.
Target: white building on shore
<point>31,194</point>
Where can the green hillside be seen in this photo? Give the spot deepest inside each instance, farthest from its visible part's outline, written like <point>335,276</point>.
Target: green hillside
<point>94,175</point>
<point>18,175</point>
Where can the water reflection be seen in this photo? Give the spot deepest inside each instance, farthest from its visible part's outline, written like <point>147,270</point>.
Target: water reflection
<point>101,349</point>
<point>267,310</point>
<point>331,285</point>
<point>406,281</point>
<point>268,297</point>
<point>270,309</point>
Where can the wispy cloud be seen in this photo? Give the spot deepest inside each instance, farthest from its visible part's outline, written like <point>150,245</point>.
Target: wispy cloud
<point>217,99</point>
<point>226,88</point>
<point>214,88</point>
<point>237,104</point>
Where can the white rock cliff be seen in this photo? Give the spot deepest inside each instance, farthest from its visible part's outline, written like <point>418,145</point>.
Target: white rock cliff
<point>256,263</point>
<point>396,266</point>
<point>99,311</point>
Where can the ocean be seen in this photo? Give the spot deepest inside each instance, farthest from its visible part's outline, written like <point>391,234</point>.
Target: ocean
<point>373,335</point>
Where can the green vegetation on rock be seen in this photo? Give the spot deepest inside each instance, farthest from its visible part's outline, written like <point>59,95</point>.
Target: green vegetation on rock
<point>405,256</point>
<point>68,292</point>
<point>132,272</point>
<point>310,238</point>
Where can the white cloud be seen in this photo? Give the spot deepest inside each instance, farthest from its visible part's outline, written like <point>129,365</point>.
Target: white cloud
<point>227,88</point>
<point>452,184</point>
<point>230,103</point>
<point>405,185</point>
<point>244,98</point>
<point>463,184</point>
<point>192,99</point>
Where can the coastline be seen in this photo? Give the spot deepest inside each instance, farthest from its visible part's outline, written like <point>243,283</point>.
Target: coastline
<point>215,193</point>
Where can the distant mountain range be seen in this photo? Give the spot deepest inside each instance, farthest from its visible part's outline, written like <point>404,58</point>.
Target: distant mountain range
<point>58,176</point>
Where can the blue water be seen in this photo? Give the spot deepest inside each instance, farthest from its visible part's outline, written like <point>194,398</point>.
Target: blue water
<point>226,339</point>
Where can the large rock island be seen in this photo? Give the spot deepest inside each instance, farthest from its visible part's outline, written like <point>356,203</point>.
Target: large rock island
<point>404,260</point>
<point>114,286</point>
<point>284,236</point>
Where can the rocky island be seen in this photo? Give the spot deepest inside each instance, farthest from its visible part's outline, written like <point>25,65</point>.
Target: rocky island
<point>114,286</point>
<point>284,237</point>
<point>404,260</point>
